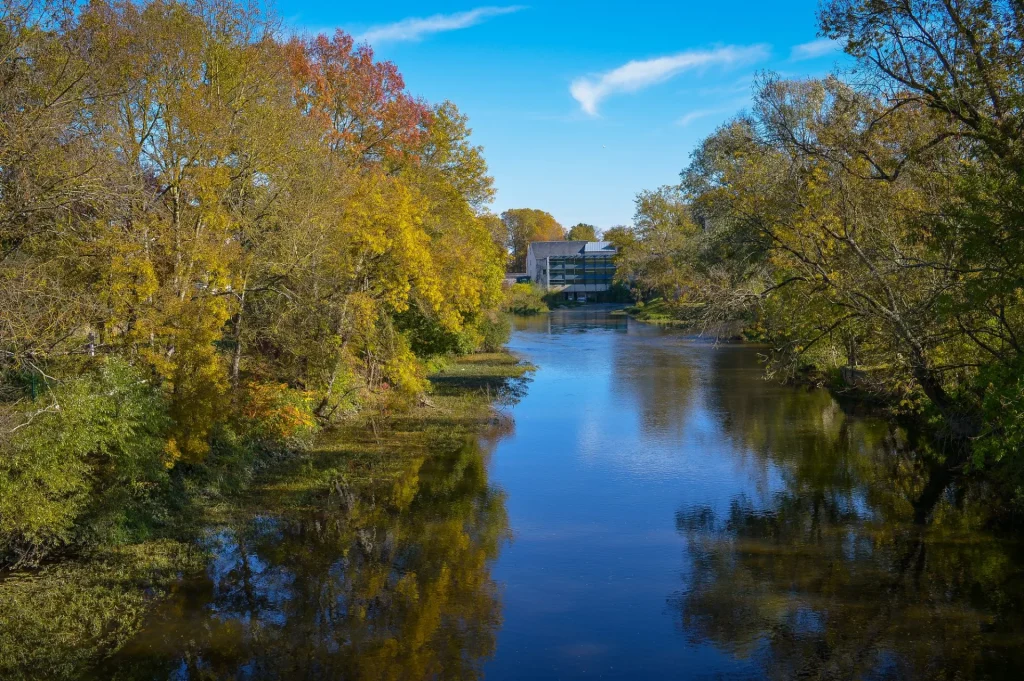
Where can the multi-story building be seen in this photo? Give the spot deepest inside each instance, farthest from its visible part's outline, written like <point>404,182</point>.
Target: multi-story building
<point>579,270</point>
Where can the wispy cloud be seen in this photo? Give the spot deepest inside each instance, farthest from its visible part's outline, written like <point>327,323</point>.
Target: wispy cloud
<point>697,114</point>
<point>814,49</point>
<point>416,28</point>
<point>690,117</point>
<point>637,75</point>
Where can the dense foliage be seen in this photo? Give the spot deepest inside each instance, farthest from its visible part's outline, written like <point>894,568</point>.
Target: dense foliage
<point>524,225</point>
<point>526,299</point>
<point>869,228</point>
<point>582,232</point>
<point>212,239</point>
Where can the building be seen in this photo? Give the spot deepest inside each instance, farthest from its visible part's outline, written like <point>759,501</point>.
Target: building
<point>579,270</point>
<point>516,278</point>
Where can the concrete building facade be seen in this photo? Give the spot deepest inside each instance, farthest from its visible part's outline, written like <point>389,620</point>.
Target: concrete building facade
<point>579,270</point>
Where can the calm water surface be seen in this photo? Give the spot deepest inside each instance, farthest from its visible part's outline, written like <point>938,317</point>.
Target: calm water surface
<point>658,512</point>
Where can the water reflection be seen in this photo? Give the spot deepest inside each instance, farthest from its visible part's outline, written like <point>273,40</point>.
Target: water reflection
<point>578,320</point>
<point>816,542</point>
<point>862,565</point>
<point>663,391</point>
<point>790,538</point>
<point>388,580</point>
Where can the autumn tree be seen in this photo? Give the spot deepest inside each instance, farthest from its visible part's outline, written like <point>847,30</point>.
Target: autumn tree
<point>360,102</point>
<point>654,254</point>
<point>525,225</point>
<point>266,231</point>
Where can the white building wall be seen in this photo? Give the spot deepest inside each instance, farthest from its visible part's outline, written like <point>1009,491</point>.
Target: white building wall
<point>536,268</point>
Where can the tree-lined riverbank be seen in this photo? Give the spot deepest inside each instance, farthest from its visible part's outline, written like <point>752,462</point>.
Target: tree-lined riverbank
<point>216,238</point>
<point>866,225</point>
<point>65,620</point>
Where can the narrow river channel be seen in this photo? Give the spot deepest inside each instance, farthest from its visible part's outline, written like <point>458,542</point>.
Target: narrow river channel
<point>658,511</point>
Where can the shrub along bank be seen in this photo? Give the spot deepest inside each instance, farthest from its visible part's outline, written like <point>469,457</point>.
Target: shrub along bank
<point>526,299</point>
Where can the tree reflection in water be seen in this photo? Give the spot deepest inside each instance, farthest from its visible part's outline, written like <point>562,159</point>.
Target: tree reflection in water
<point>662,389</point>
<point>866,563</point>
<point>384,579</point>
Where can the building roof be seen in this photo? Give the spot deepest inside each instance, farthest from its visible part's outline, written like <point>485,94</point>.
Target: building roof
<point>548,249</point>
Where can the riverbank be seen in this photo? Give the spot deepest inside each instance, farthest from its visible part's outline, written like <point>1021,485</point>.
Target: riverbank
<point>866,391</point>
<point>857,389</point>
<point>66,617</point>
<point>661,313</point>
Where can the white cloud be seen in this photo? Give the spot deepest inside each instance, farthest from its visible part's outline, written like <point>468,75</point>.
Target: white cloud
<point>690,117</point>
<point>636,75</point>
<point>415,28</point>
<point>814,49</point>
<point>696,114</point>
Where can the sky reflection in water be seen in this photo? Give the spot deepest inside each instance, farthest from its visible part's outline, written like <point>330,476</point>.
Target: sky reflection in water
<point>671,515</point>
<point>677,516</point>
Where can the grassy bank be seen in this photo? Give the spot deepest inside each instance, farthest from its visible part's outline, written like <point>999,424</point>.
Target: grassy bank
<point>379,450</point>
<point>66,617</point>
<point>682,316</point>
<point>657,311</point>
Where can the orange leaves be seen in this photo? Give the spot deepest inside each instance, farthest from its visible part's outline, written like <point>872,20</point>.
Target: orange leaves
<point>279,412</point>
<point>524,225</point>
<point>361,104</point>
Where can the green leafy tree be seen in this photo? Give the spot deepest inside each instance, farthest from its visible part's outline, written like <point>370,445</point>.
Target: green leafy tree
<point>83,465</point>
<point>654,254</point>
<point>582,232</point>
<point>621,236</point>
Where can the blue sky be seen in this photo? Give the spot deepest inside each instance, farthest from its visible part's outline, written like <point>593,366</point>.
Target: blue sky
<point>580,105</point>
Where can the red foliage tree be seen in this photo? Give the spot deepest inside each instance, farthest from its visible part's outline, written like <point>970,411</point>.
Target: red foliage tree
<point>362,104</point>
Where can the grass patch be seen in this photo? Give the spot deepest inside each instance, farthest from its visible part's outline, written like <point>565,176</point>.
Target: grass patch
<point>486,373</point>
<point>378,449</point>
<point>687,318</point>
<point>659,311</point>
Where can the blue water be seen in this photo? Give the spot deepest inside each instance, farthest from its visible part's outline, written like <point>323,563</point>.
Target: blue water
<point>617,432</point>
<point>675,515</point>
<point>658,510</point>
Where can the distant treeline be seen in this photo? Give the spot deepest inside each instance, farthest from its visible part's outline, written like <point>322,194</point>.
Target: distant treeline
<point>213,238</point>
<point>870,225</point>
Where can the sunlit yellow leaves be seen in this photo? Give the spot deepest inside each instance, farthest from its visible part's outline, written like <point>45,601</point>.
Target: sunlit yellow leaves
<point>238,212</point>
<point>279,412</point>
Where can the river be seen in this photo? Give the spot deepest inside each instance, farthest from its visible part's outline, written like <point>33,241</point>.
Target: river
<point>657,511</point>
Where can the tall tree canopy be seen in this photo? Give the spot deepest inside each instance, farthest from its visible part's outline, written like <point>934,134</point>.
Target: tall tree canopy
<point>871,228</point>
